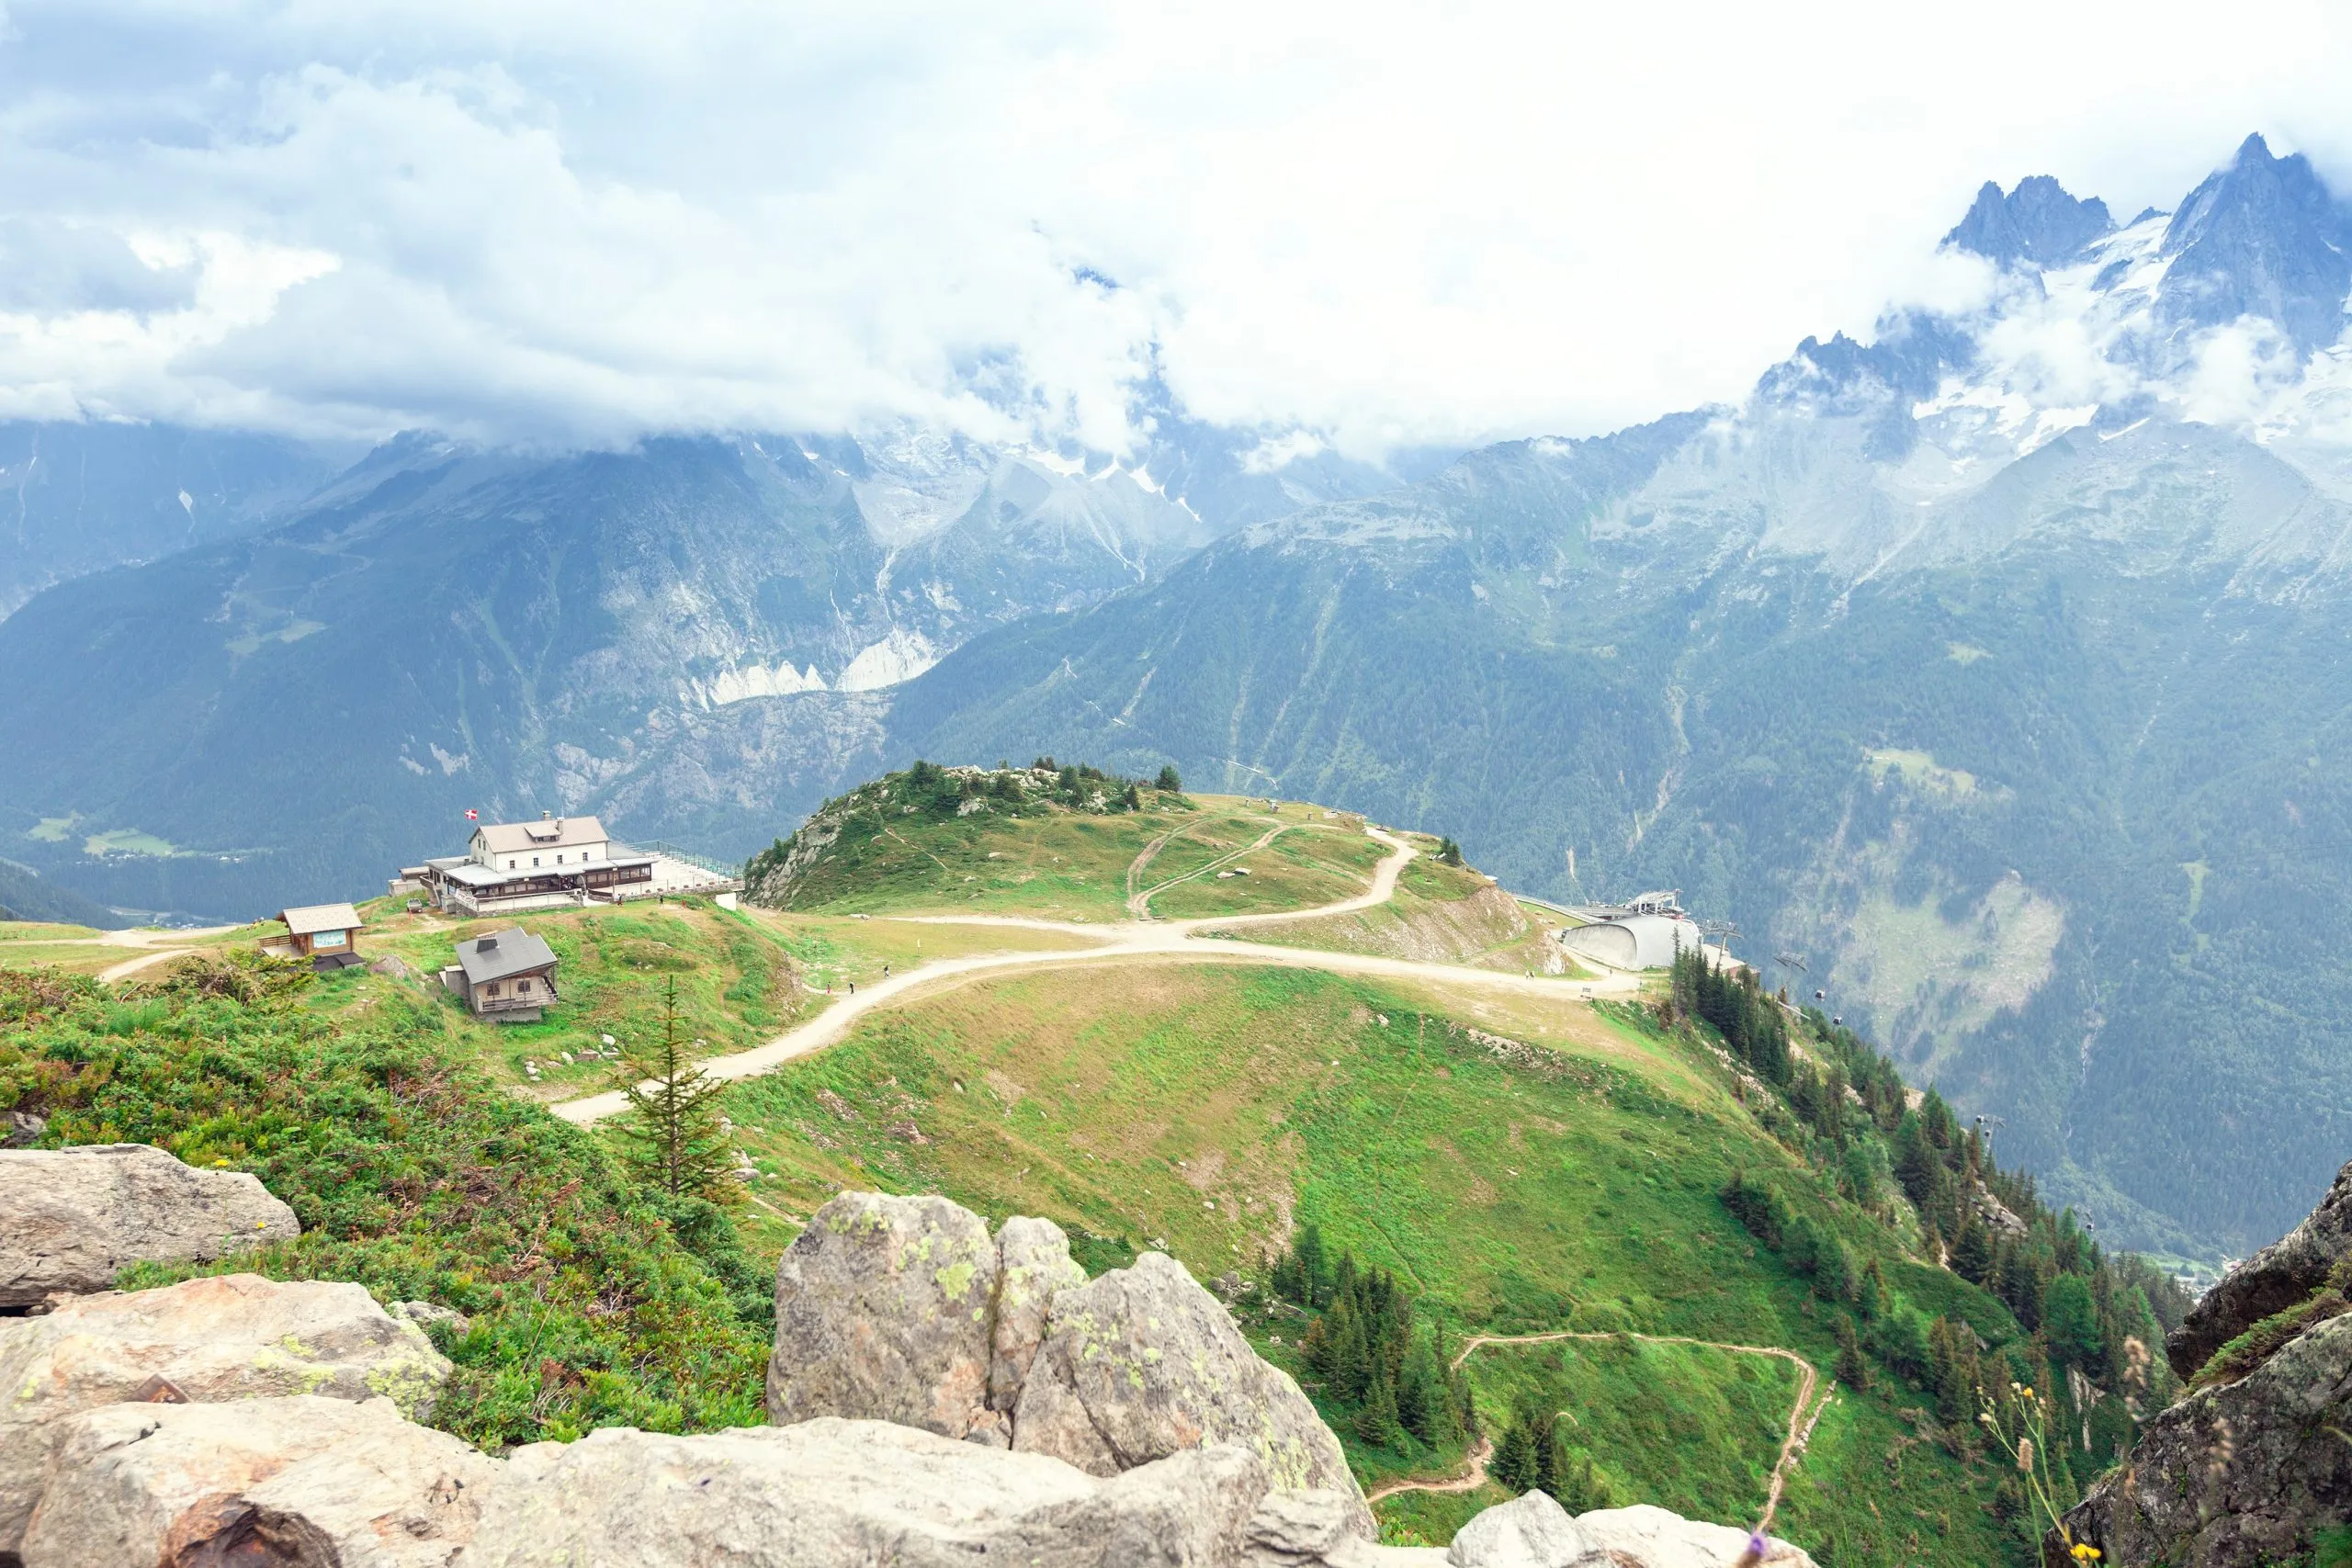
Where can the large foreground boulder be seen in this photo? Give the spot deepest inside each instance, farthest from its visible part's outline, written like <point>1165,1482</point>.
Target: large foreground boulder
<point>885,1311</point>
<point>1142,1363</point>
<point>2277,1277</point>
<point>71,1218</point>
<point>2234,1476</point>
<point>294,1483</point>
<point>904,1310</point>
<point>1531,1530</point>
<point>208,1340</point>
<point>833,1493</point>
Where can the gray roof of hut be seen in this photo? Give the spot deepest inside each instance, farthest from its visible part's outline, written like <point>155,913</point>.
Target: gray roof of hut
<point>500,954</point>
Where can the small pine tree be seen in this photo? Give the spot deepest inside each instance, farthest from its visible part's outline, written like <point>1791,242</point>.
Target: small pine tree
<point>1548,1454</point>
<point>675,1139</point>
<point>1424,1399</point>
<point>1449,851</point>
<point>1514,1461</point>
<point>1376,1422</point>
<point>1872,1295</point>
<point>1852,1370</point>
<point>1582,1487</point>
<point>1972,1250</point>
<point>1169,782</point>
<point>1131,799</point>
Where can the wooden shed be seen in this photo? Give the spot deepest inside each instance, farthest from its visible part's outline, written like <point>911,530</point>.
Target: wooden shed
<point>320,929</point>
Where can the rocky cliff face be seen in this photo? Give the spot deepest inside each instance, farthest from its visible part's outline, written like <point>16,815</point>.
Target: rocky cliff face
<point>2252,1466</point>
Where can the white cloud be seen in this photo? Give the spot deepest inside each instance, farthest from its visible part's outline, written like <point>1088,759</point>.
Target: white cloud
<point>568,223</point>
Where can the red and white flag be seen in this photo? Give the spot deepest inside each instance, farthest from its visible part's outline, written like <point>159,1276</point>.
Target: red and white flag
<point>471,814</point>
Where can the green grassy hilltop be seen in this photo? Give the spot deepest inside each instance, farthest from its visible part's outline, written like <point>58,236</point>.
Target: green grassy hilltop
<point>1628,1230</point>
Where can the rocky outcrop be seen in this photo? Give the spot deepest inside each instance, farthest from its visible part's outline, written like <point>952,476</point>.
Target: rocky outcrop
<point>1530,1531</point>
<point>884,1311</point>
<point>2248,1467</point>
<point>203,1341</point>
<point>2234,1476</point>
<point>1646,1537</point>
<point>71,1218</point>
<point>2277,1277</point>
<point>829,1492</point>
<point>903,1310</point>
<point>1035,1266</point>
<point>1143,1363</point>
<point>298,1483</point>
<point>239,1420</point>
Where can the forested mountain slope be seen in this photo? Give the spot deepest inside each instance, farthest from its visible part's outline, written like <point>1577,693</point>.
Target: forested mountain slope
<point>2020,721</point>
<point>80,497</point>
<point>693,638</point>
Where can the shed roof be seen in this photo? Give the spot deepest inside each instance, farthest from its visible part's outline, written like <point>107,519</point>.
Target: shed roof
<point>311,919</point>
<point>548,833</point>
<point>500,954</point>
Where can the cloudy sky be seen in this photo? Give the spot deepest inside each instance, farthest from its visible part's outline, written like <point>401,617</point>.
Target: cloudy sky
<point>554,223</point>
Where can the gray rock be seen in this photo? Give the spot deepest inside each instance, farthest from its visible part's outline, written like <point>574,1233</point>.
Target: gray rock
<point>2273,1280</point>
<point>834,1493</point>
<point>1142,1363</point>
<point>1647,1536</point>
<point>2234,1476</point>
<point>424,1315</point>
<point>1033,1264</point>
<point>1531,1530</point>
<point>208,1340</point>
<point>71,1218</point>
<point>883,1310</point>
<point>299,1482</point>
<point>1316,1528</point>
<point>19,1129</point>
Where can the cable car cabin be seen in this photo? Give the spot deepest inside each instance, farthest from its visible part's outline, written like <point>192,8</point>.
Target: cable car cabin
<point>326,934</point>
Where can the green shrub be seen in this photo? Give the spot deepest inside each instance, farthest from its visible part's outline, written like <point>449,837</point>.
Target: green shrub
<point>590,1302</point>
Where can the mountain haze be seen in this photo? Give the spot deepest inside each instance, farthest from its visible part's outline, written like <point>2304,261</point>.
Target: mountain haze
<point>693,637</point>
<point>1990,667</point>
<point>2004,694</point>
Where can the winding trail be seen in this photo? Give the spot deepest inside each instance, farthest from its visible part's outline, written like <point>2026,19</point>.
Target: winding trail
<point>1202,940</point>
<point>1803,1415</point>
<point>1139,904</point>
<point>151,940</point>
<point>1187,941</point>
<point>1138,898</point>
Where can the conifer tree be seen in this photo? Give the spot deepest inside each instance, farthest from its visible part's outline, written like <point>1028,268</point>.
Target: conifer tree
<point>1972,1250</point>
<point>675,1139</point>
<point>1582,1487</point>
<point>1852,1370</point>
<point>1376,1422</point>
<point>1170,783</point>
<point>1514,1461</point>
<point>1871,1296</point>
<point>1548,1455</point>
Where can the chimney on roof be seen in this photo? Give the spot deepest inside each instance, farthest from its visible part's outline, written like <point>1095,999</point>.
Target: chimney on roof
<point>486,945</point>
<point>546,815</point>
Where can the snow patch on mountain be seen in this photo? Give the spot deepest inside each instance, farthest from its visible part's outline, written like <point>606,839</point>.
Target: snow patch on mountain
<point>901,655</point>
<point>753,680</point>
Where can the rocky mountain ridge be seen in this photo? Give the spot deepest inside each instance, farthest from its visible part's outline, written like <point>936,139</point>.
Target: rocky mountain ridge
<point>1978,666</point>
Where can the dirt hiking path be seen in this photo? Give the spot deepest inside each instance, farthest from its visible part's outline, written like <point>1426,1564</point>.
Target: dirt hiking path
<point>1803,1415</point>
<point>1189,942</point>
